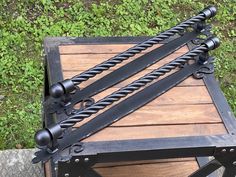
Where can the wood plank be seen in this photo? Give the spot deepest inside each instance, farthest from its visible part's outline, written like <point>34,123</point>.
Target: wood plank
<point>179,114</point>
<point>102,48</point>
<point>176,169</point>
<point>84,62</point>
<point>161,115</point>
<point>187,82</point>
<point>48,169</point>
<point>143,132</point>
<point>176,95</point>
<point>125,163</point>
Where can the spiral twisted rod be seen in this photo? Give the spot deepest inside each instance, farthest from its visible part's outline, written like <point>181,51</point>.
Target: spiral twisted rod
<point>136,49</point>
<point>59,89</point>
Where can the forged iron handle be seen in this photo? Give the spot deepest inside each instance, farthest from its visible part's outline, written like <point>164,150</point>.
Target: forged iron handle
<point>59,89</point>
<point>48,135</point>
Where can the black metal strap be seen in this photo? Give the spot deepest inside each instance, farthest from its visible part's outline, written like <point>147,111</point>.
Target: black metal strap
<point>224,157</point>
<point>75,168</point>
<point>207,169</point>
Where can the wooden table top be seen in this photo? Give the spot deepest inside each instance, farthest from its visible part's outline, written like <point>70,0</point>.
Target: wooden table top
<point>185,110</point>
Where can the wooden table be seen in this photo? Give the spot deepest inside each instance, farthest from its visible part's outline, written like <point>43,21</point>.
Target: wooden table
<point>188,109</point>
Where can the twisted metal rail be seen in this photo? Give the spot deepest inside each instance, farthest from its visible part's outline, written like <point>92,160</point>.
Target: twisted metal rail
<point>45,136</point>
<point>68,86</point>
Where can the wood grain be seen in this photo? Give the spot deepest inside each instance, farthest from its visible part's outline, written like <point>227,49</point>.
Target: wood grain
<point>47,169</point>
<point>84,61</point>
<point>171,169</point>
<point>162,131</point>
<point>106,48</point>
<point>125,163</point>
<point>161,115</point>
<point>176,95</point>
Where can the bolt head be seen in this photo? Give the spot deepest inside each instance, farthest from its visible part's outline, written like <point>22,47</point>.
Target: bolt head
<point>231,150</point>
<point>86,159</point>
<point>76,160</point>
<point>223,150</point>
<point>234,163</point>
<point>67,174</point>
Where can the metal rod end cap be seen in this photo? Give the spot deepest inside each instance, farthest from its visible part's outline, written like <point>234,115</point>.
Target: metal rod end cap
<point>212,43</point>
<point>209,11</point>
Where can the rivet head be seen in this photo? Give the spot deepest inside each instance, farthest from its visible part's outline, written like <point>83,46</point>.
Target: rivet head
<point>67,175</point>
<point>234,163</point>
<point>223,150</point>
<point>86,159</point>
<point>76,160</point>
<point>231,150</point>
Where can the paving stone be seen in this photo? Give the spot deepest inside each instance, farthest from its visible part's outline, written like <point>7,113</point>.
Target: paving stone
<point>17,163</point>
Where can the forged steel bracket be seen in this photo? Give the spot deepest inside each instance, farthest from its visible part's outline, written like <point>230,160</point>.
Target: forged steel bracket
<point>223,157</point>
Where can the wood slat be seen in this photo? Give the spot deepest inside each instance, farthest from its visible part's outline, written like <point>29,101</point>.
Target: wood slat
<point>143,132</point>
<point>161,115</point>
<point>84,62</point>
<point>106,48</point>
<point>179,114</point>
<point>48,169</point>
<point>126,163</point>
<point>176,95</point>
<point>176,169</point>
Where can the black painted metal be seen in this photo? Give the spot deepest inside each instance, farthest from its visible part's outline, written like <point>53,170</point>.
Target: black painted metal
<point>46,136</point>
<point>43,137</point>
<point>220,146</point>
<point>202,161</point>
<point>135,102</point>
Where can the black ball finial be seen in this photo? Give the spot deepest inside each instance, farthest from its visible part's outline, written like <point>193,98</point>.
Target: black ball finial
<point>56,90</point>
<point>42,137</point>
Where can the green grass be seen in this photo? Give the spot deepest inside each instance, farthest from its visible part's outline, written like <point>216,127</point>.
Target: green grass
<point>25,23</point>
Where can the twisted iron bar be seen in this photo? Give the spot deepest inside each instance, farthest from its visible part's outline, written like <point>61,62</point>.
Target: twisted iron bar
<point>134,50</point>
<point>130,88</point>
<point>203,15</point>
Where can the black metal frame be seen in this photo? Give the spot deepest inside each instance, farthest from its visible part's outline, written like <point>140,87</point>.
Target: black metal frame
<point>200,147</point>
